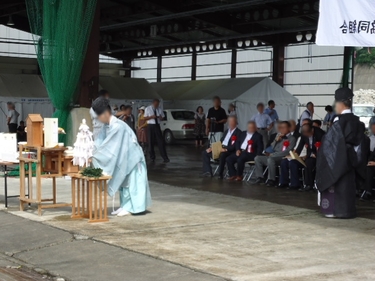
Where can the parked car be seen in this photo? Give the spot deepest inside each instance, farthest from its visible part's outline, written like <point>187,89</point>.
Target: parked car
<point>177,124</point>
<point>364,112</point>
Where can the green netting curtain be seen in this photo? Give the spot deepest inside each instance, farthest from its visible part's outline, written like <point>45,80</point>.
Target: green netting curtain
<point>61,30</point>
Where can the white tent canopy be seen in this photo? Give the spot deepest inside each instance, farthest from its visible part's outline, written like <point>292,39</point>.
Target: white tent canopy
<point>27,92</point>
<point>245,93</point>
<point>131,91</point>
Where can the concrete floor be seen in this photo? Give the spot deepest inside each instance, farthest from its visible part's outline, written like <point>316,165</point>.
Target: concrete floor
<point>190,234</point>
<point>186,166</point>
<point>27,244</point>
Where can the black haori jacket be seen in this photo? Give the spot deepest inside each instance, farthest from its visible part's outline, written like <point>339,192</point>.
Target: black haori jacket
<point>337,155</point>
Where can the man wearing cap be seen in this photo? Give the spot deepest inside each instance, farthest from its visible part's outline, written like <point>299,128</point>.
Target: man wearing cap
<point>264,123</point>
<point>339,155</point>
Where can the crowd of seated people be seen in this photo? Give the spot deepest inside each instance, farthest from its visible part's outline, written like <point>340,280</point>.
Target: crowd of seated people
<point>270,151</point>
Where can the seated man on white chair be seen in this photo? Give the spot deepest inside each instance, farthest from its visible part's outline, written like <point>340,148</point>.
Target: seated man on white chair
<point>250,145</point>
<point>228,141</point>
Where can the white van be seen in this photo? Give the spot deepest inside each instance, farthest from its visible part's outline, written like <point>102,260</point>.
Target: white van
<point>364,112</point>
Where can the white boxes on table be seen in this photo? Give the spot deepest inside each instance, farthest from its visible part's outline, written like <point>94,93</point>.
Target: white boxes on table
<point>51,132</point>
<point>8,147</point>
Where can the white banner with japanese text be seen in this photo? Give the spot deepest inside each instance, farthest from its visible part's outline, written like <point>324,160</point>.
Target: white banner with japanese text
<point>346,23</point>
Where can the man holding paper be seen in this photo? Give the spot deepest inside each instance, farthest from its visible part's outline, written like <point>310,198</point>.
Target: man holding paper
<point>228,147</point>
<point>310,140</point>
<point>250,145</point>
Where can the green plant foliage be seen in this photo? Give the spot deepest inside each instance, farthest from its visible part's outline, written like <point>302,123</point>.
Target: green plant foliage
<point>365,57</point>
<point>92,172</point>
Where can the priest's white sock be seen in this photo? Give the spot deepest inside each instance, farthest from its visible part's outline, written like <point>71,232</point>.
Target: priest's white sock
<point>123,213</point>
<point>119,210</point>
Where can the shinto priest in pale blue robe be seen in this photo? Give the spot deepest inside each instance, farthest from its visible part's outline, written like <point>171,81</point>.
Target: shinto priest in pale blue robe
<point>119,155</point>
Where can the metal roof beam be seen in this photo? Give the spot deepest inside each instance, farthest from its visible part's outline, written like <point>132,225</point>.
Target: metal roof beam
<point>12,10</point>
<point>20,23</point>
<point>167,29</point>
<point>123,10</point>
<point>187,14</point>
<point>272,33</point>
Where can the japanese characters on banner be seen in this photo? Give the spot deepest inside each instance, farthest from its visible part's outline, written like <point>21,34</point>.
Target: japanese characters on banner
<point>346,23</point>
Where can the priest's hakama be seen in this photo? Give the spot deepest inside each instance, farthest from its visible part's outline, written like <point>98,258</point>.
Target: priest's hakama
<point>118,153</point>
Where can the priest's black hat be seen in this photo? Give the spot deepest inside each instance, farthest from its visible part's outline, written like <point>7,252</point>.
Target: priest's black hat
<point>100,105</point>
<point>343,94</point>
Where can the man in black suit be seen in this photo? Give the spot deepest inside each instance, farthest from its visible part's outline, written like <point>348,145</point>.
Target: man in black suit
<point>228,141</point>
<point>249,145</point>
<point>311,139</point>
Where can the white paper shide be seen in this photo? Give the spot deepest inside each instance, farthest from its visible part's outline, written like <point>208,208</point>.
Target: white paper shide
<point>84,146</point>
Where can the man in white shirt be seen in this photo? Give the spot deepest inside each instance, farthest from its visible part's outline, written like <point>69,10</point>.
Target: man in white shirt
<point>308,113</point>
<point>228,142</point>
<point>271,111</point>
<point>154,115</point>
<point>96,124</point>
<point>249,145</point>
<point>12,118</point>
<point>264,123</point>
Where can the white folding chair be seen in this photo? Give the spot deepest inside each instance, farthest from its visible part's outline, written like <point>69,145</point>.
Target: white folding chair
<point>249,171</point>
<point>215,163</point>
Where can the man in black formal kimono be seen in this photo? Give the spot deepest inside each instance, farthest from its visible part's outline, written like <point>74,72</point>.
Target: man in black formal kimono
<point>228,142</point>
<point>250,145</point>
<point>339,156</point>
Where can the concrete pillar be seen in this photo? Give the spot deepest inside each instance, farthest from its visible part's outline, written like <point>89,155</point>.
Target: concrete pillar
<point>348,53</point>
<point>89,84</point>
<point>278,64</point>
<point>158,69</point>
<point>233,69</point>
<point>127,64</point>
<point>194,66</point>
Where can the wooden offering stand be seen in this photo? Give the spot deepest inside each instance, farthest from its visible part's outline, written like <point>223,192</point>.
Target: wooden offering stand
<point>34,126</point>
<point>89,198</point>
<point>44,164</point>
